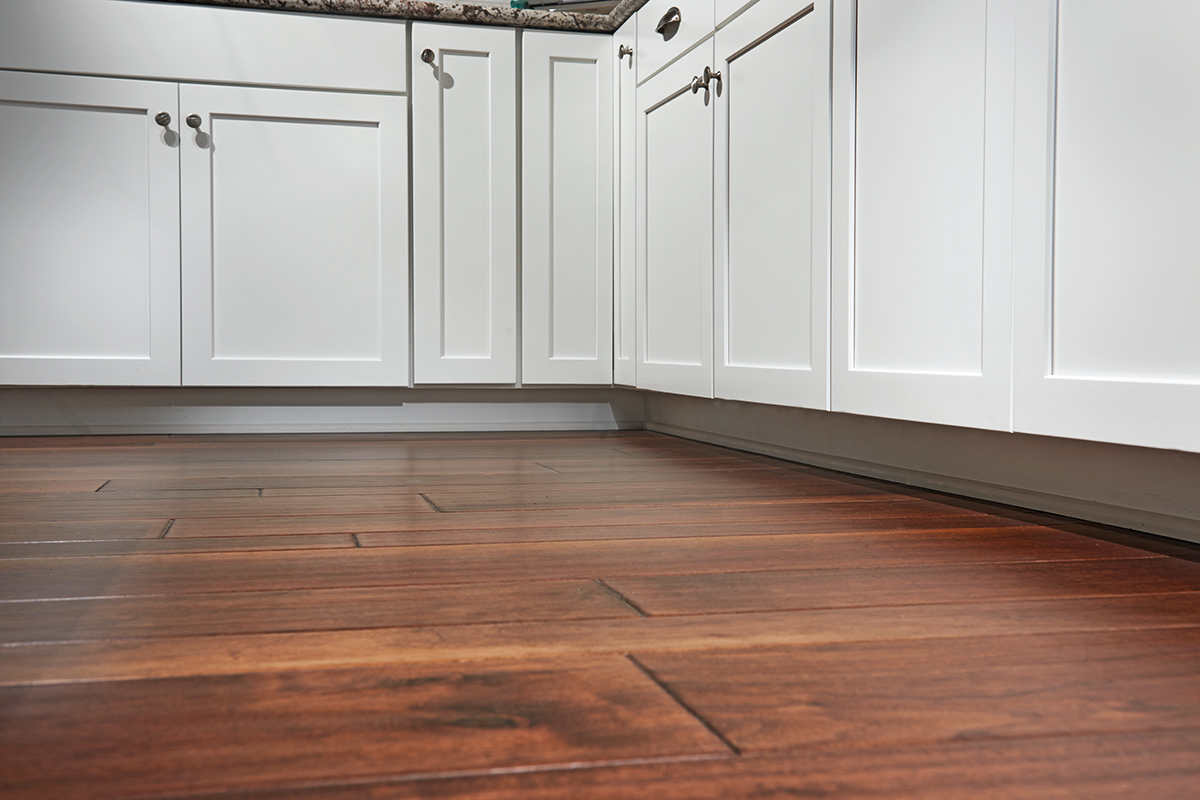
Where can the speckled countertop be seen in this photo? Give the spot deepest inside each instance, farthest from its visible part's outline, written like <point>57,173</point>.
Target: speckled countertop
<point>445,12</point>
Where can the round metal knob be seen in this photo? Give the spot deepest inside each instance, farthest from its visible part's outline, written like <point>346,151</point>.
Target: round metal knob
<point>193,120</point>
<point>427,56</point>
<point>163,118</point>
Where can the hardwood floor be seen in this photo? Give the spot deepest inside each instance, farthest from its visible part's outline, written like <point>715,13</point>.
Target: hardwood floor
<point>569,615</point>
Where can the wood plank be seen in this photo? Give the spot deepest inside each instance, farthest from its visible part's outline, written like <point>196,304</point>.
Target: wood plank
<point>179,736</point>
<point>82,531</point>
<point>830,517</point>
<point>169,546</point>
<point>1016,621</point>
<point>1160,764</point>
<point>882,694</point>
<point>50,485</point>
<point>22,579</point>
<point>300,610</point>
<point>969,583</point>
<point>111,506</point>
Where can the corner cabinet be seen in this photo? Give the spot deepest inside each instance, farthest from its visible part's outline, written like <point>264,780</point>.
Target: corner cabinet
<point>464,182</point>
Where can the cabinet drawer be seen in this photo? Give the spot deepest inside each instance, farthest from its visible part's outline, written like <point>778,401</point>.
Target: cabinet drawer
<point>657,49</point>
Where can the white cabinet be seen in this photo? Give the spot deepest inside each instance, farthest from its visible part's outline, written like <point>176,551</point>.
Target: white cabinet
<point>772,214</point>
<point>1108,276</point>
<point>923,119</point>
<point>625,115</point>
<point>675,229</point>
<point>295,262</point>
<point>89,231</point>
<point>567,209</point>
<point>464,183</point>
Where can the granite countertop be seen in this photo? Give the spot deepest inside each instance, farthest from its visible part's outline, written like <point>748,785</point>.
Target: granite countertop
<point>446,12</point>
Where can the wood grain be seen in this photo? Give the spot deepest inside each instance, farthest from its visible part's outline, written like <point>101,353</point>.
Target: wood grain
<point>129,740</point>
<point>569,615</point>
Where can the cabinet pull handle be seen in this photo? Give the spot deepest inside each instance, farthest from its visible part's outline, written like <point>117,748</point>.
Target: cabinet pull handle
<point>708,76</point>
<point>427,56</point>
<point>193,121</point>
<point>163,118</point>
<point>672,17</point>
<point>625,50</point>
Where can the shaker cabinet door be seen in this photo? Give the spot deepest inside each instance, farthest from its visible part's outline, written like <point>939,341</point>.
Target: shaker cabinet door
<point>89,231</point>
<point>922,217</point>
<point>567,210</point>
<point>294,238</point>
<point>1107,264</point>
<point>675,233</point>
<point>772,211</point>
<point>464,204</point>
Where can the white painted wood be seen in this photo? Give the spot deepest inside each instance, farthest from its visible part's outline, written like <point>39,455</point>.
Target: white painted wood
<point>178,41</point>
<point>772,214</point>
<point>675,235</point>
<point>567,208</point>
<point>656,50</point>
<point>294,238</point>
<point>89,231</point>
<point>625,211</point>
<point>725,9</point>
<point>464,205</point>
<point>1107,283</point>
<point>923,110</point>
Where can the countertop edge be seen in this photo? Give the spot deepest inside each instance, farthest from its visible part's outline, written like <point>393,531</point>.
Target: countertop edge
<point>462,13</point>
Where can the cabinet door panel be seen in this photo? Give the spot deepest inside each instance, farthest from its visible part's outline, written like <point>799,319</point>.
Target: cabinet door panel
<point>464,214</point>
<point>675,237</point>
<point>625,213</point>
<point>772,167</point>
<point>923,187</point>
<point>1108,282</point>
<point>89,231</point>
<point>294,246</point>
<point>567,246</point>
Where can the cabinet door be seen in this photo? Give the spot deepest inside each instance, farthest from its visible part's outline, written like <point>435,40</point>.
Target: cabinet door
<point>294,247</point>
<point>464,204</point>
<point>1108,276</point>
<point>89,231</point>
<point>567,209</point>
<point>923,116</point>
<point>675,235</point>
<point>625,213</point>
<point>772,215</point>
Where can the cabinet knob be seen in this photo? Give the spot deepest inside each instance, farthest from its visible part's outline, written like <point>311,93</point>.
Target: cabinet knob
<point>625,50</point>
<point>427,56</point>
<point>703,81</point>
<point>193,121</point>
<point>163,118</point>
<point>669,23</point>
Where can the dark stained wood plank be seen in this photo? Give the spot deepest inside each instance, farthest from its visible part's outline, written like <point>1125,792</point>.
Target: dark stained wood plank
<point>184,735</point>
<point>82,531</point>
<point>815,517</point>
<point>111,506</point>
<point>22,579</point>
<point>882,694</point>
<point>165,546</point>
<point>50,485</point>
<point>1161,765</point>
<point>1014,621</point>
<point>969,583</point>
<point>311,610</point>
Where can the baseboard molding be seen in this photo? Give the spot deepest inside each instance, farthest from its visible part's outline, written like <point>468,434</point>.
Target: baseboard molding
<point>1090,510</point>
<point>92,411</point>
